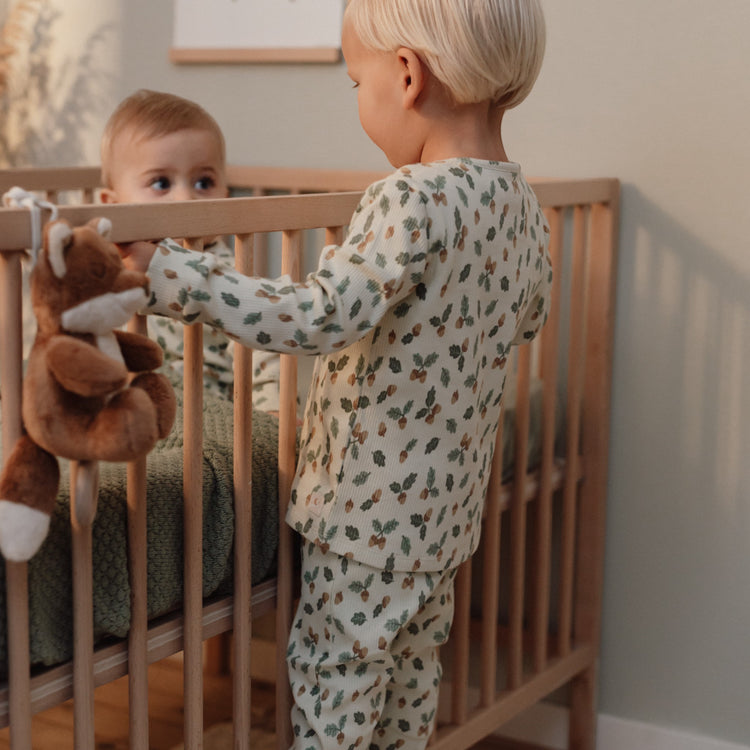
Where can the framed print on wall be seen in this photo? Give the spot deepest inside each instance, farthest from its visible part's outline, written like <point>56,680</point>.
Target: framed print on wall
<point>236,31</point>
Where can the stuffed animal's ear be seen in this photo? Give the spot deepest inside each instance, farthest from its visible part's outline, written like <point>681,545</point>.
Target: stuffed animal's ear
<point>102,226</point>
<point>59,238</point>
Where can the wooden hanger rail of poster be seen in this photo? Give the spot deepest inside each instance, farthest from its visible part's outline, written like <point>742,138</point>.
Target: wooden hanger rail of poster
<point>255,55</point>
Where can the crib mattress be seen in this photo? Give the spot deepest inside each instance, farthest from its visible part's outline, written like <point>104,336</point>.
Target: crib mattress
<point>49,571</point>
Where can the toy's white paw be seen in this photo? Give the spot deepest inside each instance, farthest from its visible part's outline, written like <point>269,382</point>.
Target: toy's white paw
<point>22,530</point>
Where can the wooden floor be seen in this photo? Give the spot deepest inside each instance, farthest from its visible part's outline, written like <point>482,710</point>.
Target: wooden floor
<point>53,729</point>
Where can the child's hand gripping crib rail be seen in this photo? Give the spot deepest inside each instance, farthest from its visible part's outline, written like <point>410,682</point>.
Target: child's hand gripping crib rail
<point>572,653</point>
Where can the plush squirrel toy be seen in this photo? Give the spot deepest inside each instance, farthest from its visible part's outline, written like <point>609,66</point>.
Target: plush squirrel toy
<point>78,399</point>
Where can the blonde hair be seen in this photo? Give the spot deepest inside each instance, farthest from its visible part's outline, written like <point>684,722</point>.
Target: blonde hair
<point>480,50</point>
<point>152,114</point>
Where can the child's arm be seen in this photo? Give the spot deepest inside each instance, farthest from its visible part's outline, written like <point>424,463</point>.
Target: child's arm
<point>352,289</point>
<point>138,255</point>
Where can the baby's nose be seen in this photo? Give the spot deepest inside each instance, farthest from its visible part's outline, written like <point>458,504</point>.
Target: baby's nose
<point>182,192</point>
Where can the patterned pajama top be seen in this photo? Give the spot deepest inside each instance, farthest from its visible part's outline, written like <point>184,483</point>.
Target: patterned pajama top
<point>444,267</point>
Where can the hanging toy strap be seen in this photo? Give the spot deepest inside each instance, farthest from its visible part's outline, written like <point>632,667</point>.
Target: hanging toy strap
<point>17,197</point>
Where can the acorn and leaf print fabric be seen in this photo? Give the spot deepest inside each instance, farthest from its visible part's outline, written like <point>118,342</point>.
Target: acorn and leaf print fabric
<point>443,269</point>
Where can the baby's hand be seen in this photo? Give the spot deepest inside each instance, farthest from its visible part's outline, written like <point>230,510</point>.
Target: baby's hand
<point>136,256</point>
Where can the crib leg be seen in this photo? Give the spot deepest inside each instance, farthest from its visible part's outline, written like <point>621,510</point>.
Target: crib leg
<point>583,711</point>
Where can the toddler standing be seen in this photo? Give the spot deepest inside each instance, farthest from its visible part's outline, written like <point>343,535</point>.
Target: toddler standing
<point>444,268</point>
<point>158,147</point>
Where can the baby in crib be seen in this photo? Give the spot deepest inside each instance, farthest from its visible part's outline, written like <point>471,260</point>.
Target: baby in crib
<point>443,269</point>
<point>158,147</point>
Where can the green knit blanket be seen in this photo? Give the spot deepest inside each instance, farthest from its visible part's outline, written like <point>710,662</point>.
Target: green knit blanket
<point>50,586</point>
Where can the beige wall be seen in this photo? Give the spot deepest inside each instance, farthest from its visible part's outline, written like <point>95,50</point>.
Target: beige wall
<point>657,94</point>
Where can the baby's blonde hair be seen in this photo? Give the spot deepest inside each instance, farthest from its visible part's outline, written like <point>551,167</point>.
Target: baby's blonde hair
<point>481,50</point>
<point>152,114</point>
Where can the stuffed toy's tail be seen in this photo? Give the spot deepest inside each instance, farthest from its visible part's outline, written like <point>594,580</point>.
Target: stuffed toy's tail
<point>28,489</point>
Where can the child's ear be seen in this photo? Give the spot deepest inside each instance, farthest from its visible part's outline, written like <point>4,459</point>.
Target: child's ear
<point>107,195</point>
<point>413,76</point>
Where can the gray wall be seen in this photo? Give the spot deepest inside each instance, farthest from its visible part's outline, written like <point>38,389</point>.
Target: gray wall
<point>657,94</point>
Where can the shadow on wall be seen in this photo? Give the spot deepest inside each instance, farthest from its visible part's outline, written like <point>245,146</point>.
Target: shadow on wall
<point>48,98</point>
<point>677,597</point>
<point>693,363</point>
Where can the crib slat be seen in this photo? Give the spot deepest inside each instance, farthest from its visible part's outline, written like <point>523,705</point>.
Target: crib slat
<point>11,373</point>
<point>291,247</point>
<point>596,418</point>
<point>84,481</point>
<point>460,635</point>
<point>518,521</point>
<point>193,544</point>
<point>334,235</point>
<point>543,541</point>
<point>16,574</point>
<point>595,413</point>
<point>138,634</point>
<point>138,577</point>
<point>11,348</point>
<point>491,574</point>
<point>573,427</point>
<point>19,682</point>
<point>243,493</point>
<point>260,244</point>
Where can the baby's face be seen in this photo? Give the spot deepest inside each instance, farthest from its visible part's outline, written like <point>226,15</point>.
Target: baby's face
<point>184,165</point>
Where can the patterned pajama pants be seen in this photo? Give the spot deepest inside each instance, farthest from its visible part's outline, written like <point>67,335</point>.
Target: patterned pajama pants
<point>363,661</point>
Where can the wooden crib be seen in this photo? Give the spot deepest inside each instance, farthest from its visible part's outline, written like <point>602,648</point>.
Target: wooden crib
<point>527,607</point>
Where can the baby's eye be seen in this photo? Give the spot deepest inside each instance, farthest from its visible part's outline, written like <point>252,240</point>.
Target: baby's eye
<point>205,183</point>
<point>160,184</point>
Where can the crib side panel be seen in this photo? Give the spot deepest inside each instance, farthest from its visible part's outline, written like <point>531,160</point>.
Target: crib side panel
<point>538,622</point>
<point>528,610</point>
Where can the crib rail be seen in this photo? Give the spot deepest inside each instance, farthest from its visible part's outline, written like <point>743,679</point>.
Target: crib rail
<point>262,180</point>
<point>52,183</point>
<point>535,620</point>
<point>239,216</point>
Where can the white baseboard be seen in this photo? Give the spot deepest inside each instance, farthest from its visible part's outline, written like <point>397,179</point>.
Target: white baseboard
<point>547,725</point>
<point>621,734</point>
